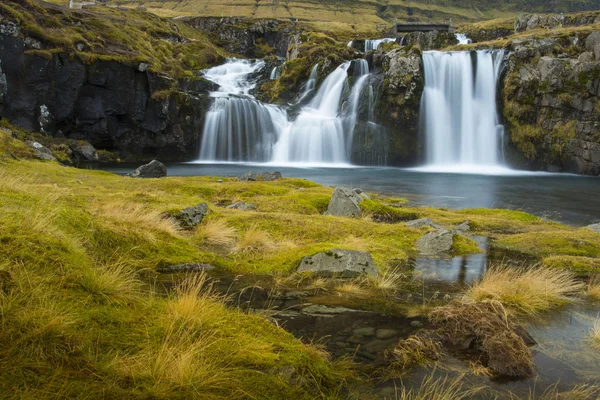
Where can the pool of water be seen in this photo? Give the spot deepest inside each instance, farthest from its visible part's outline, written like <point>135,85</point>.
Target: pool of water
<point>566,198</point>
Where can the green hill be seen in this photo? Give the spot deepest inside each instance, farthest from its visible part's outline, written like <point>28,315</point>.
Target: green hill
<point>360,11</point>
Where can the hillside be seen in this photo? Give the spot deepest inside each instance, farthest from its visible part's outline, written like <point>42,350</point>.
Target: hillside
<point>360,11</point>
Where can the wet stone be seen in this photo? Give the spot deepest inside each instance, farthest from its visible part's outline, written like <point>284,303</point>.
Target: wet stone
<point>416,324</point>
<point>386,333</point>
<point>364,331</point>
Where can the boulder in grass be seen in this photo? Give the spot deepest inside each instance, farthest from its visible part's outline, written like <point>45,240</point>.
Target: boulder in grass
<point>41,152</point>
<point>85,152</point>
<point>154,169</point>
<point>434,243</point>
<point>337,262</point>
<point>270,176</point>
<point>421,222</point>
<point>240,205</point>
<point>247,177</point>
<point>595,227</point>
<point>344,203</point>
<point>191,217</point>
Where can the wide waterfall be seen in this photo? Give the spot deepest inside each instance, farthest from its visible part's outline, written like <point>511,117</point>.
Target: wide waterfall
<point>238,127</point>
<point>459,116</point>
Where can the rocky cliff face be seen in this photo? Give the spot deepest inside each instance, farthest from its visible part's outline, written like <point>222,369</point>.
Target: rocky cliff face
<point>552,103</point>
<point>251,38</point>
<point>402,84</point>
<point>114,106</point>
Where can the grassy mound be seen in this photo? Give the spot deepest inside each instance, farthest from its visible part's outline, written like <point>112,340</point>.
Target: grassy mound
<point>107,33</point>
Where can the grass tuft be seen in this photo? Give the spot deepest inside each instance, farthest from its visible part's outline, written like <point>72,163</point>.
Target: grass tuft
<point>113,283</point>
<point>217,232</point>
<point>254,240</point>
<point>593,288</point>
<point>526,290</point>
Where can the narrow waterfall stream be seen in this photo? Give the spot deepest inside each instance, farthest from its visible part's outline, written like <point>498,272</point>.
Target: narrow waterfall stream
<point>459,116</point>
<point>239,128</point>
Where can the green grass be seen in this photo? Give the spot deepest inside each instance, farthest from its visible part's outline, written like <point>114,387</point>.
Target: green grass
<point>78,248</point>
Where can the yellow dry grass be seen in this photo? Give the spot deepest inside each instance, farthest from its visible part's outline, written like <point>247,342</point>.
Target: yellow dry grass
<point>113,282</point>
<point>254,240</point>
<point>593,288</point>
<point>595,333</point>
<point>131,217</point>
<point>526,290</point>
<point>217,232</point>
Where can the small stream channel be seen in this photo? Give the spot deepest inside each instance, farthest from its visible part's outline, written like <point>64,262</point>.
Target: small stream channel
<point>363,329</point>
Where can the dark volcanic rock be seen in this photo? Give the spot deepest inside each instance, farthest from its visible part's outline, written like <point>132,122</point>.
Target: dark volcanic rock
<point>192,216</point>
<point>552,103</point>
<point>154,169</point>
<point>110,104</point>
<point>242,35</point>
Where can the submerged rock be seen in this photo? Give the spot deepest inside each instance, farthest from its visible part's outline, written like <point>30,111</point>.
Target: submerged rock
<point>41,152</point>
<point>240,205</point>
<point>344,203</point>
<point>154,169</point>
<point>337,262</point>
<point>434,243</point>
<point>192,216</point>
<point>172,269</point>
<point>595,227</point>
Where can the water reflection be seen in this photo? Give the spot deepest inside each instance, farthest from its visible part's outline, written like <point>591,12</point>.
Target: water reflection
<point>462,270</point>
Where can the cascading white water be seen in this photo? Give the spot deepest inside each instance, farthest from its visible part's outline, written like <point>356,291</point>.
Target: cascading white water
<point>458,109</point>
<point>462,38</point>
<point>310,83</point>
<point>322,133</point>
<point>275,73</point>
<point>373,44</point>
<point>238,127</point>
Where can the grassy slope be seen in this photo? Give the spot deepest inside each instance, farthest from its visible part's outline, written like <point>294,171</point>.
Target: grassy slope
<point>129,36</point>
<point>357,12</point>
<point>75,317</point>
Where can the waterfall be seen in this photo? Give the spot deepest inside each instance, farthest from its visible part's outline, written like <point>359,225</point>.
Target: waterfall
<point>458,109</point>
<point>237,126</point>
<point>310,84</point>
<point>463,39</point>
<point>361,67</point>
<point>275,73</point>
<point>240,128</point>
<point>322,133</point>
<point>374,43</point>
